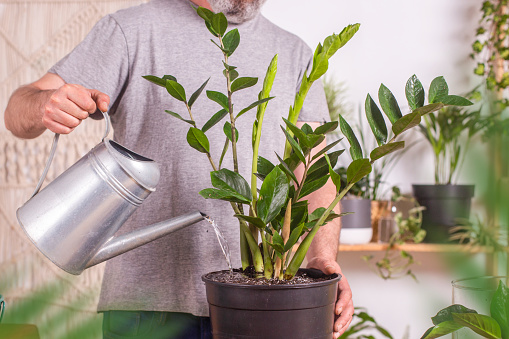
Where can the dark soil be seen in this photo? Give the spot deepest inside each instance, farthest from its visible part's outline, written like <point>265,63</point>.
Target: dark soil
<point>248,277</point>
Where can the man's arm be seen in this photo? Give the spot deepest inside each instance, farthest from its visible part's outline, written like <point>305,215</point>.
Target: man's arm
<point>323,251</point>
<point>50,103</point>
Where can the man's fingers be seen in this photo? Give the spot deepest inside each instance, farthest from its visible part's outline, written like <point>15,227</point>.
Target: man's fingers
<point>80,97</point>
<point>345,295</point>
<point>56,127</point>
<point>67,106</point>
<point>102,100</point>
<point>345,318</point>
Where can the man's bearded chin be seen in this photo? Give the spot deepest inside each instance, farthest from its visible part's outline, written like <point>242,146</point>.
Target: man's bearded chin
<point>237,11</point>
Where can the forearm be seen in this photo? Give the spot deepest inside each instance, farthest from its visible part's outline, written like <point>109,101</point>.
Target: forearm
<point>326,241</point>
<point>24,112</point>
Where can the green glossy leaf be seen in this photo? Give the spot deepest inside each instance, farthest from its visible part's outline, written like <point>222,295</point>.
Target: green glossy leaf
<point>159,81</point>
<point>389,104</point>
<point>294,237</point>
<point>383,150</point>
<point>277,243</point>
<point>336,178</point>
<point>169,77</point>
<point>218,97</point>
<point>227,129</point>
<point>229,67</point>
<point>307,141</point>
<point>455,100</point>
<point>414,93</point>
<point>253,105</point>
<point>287,170</point>
<point>198,140</point>
<point>480,324</point>
<point>326,148</point>
<point>311,186</point>
<point>212,193</point>
<point>227,180</point>
<point>355,147</point>
<point>252,220</point>
<point>176,115</point>
<point>499,308</point>
<point>233,74</point>
<point>243,82</point>
<point>428,109</point>
<point>295,146</point>
<point>264,166</point>
<point>334,42</point>
<point>321,167</point>
<point>406,122</point>
<point>327,127</point>
<point>273,194</point>
<point>231,41</point>
<point>357,170</point>
<point>445,314</point>
<point>176,90</point>
<point>205,14</point>
<point>197,93</point>
<point>214,120</point>
<point>307,129</point>
<point>376,121</point>
<point>320,67</point>
<point>441,330</point>
<point>437,89</point>
<point>219,23</point>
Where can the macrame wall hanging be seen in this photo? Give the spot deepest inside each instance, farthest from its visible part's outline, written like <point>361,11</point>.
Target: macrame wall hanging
<point>34,34</point>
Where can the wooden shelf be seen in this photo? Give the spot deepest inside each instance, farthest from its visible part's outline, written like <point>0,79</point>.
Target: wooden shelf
<point>428,248</point>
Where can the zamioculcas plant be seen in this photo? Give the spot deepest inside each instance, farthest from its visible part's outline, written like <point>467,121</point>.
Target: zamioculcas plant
<point>277,213</point>
<point>455,317</point>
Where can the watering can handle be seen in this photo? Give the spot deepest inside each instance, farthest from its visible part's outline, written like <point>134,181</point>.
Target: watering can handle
<point>54,148</point>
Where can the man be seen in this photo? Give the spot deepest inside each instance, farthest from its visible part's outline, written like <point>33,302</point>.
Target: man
<point>158,285</point>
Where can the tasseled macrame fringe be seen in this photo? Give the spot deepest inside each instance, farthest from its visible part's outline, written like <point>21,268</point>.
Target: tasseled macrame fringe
<point>34,34</point>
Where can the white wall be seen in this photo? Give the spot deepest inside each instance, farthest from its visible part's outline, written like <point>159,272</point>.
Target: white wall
<point>397,38</point>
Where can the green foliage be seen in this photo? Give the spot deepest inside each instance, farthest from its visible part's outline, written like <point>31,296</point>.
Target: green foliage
<point>282,192</point>
<point>455,317</point>
<point>363,325</point>
<point>491,44</point>
<point>396,263</point>
<point>450,130</point>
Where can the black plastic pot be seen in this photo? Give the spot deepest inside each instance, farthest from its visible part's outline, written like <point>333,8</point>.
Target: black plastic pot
<point>444,205</point>
<point>361,213</point>
<point>272,311</point>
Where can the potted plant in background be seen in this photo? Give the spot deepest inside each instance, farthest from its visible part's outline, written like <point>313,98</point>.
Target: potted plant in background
<point>369,199</point>
<point>272,209</point>
<point>449,132</point>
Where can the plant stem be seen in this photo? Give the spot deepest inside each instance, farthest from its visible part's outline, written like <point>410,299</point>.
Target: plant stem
<point>300,254</point>
<point>230,111</point>
<point>298,102</point>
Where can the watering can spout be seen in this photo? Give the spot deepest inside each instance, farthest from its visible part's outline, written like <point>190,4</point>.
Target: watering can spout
<point>126,242</point>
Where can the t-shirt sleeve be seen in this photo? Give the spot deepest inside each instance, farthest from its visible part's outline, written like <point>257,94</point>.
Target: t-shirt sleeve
<point>99,62</point>
<point>315,107</point>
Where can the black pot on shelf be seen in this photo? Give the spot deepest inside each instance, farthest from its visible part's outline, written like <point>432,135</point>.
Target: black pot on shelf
<point>444,205</point>
<point>272,311</point>
<point>356,227</point>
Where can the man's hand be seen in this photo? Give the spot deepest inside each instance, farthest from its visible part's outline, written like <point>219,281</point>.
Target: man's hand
<point>344,306</point>
<point>51,103</point>
<point>67,106</point>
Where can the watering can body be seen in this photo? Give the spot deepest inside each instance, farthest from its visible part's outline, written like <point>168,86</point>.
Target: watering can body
<point>72,221</point>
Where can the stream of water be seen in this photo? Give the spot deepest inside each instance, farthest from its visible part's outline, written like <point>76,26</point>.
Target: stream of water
<point>222,242</point>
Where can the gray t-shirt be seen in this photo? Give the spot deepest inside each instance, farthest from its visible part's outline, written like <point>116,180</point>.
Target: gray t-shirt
<point>168,37</point>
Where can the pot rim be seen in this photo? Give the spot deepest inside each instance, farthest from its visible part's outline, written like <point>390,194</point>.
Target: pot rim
<point>335,278</point>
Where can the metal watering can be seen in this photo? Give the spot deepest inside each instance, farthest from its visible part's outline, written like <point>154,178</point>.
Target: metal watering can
<point>72,221</point>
